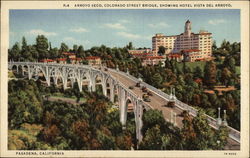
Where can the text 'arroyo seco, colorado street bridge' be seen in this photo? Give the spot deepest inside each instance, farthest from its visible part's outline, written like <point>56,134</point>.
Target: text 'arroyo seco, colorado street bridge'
<point>118,83</point>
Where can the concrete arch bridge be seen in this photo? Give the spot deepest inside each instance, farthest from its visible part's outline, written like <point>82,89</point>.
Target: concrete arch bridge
<point>115,82</point>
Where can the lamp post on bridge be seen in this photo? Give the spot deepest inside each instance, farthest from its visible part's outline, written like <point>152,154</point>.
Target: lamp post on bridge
<point>172,98</point>
<point>225,119</point>
<point>219,119</point>
<point>117,68</point>
<point>175,119</point>
<point>127,71</point>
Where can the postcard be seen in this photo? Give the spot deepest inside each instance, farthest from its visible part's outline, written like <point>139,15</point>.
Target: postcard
<point>124,79</point>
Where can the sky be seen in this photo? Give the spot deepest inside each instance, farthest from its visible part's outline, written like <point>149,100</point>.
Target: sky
<point>116,28</point>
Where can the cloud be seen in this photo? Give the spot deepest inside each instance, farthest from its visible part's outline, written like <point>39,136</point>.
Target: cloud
<point>158,25</point>
<point>75,41</point>
<point>129,35</point>
<point>41,32</point>
<point>216,21</point>
<point>78,30</point>
<point>118,26</point>
<point>124,21</point>
<point>69,39</point>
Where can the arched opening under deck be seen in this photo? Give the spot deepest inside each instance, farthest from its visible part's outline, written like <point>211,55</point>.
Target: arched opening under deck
<point>98,84</point>
<point>130,117</point>
<point>108,90</point>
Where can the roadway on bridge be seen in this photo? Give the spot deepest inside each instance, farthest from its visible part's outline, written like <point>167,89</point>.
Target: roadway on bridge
<point>159,103</point>
<point>156,101</point>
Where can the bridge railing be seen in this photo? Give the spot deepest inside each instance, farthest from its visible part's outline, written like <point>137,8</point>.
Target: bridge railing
<point>233,133</point>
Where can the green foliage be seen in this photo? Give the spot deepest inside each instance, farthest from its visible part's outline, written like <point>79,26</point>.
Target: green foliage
<point>24,103</point>
<point>152,118</point>
<point>210,74</point>
<point>204,133</point>
<point>220,138</point>
<point>64,48</point>
<point>14,52</point>
<point>26,138</point>
<point>42,46</point>
<point>161,50</point>
<point>198,135</point>
<point>152,139</point>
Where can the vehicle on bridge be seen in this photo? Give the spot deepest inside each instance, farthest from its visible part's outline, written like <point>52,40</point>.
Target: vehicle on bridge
<point>146,98</point>
<point>170,104</point>
<point>150,93</point>
<point>144,89</point>
<point>138,84</point>
<point>131,87</point>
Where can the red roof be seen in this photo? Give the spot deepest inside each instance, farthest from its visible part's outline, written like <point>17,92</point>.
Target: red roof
<point>141,54</point>
<point>92,57</point>
<point>68,53</point>
<point>190,50</point>
<point>198,80</point>
<point>201,59</point>
<point>47,60</point>
<point>79,59</point>
<point>153,57</point>
<point>61,59</point>
<point>174,55</point>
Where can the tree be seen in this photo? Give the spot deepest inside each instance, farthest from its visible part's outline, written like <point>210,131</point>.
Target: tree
<point>24,45</point>
<point>50,133</point>
<point>198,72</point>
<point>230,103</point>
<point>42,46</point>
<point>225,76</point>
<point>168,64</point>
<point>82,129</point>
<point>124,142</point>
<point>229,63</point>
<point>24,104</point>
<point>63,48</point>
<point>214,46</point>
<point>221,137</point>
<point>130,46</point>
<point>161,50</point>
<point>152,139</point>
<point>210,74</point>
<point>157,79</point>
<point>54,53</point>
<point>187,132</point>
<point>106,140</point>
<point>80,52</point>
<point>152,117</point>
<point>196,100</point>
<point>75,48</point>
<point>14,53</point>
<point>204,134</point>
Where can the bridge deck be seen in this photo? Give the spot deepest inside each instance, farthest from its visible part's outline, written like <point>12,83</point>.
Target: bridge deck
<point>158,103</point>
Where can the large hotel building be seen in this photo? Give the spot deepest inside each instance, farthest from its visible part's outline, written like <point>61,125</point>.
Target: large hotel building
<point>197,46</point>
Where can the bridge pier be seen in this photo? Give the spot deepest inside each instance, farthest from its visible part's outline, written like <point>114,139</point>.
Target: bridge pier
<point>29,72</point>
<point>112,97</point>
<point>123,110</point>
<point>22,70</point>
<point>138,119</point>
<point>55,80</point>
<point>104,88</point>
<point>72,82</point>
